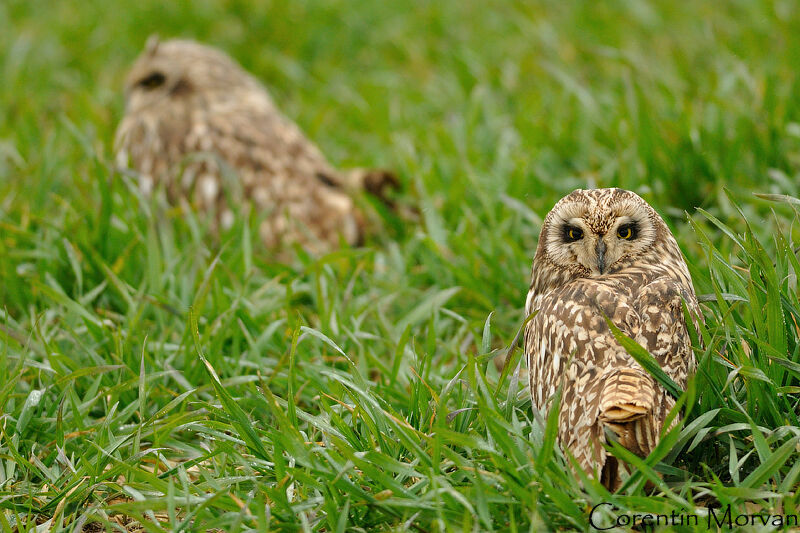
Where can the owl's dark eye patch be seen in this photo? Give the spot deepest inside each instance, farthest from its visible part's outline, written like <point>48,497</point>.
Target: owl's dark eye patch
<point>152,80</point>
<point>628,231</point>
<point>572,233</point>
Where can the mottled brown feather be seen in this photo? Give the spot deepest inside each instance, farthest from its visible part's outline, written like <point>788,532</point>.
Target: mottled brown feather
<point>568,342</point>
<point>202,127</point>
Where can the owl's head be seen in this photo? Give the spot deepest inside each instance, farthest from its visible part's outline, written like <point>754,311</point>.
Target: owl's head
<point>167,71</point>
<point>601,231</point>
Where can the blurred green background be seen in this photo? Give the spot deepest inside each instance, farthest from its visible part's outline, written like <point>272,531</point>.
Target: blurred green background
<point>535,98</point>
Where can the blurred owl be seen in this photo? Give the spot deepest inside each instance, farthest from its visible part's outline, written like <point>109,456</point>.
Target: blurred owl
<point>607,253</point>
<point>199,124</point>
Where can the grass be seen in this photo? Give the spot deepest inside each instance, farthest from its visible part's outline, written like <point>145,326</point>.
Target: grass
<point>151,372</point>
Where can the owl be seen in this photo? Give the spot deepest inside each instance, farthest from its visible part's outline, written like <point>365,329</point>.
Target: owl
<point>199,125</point>
<point>607,253</point>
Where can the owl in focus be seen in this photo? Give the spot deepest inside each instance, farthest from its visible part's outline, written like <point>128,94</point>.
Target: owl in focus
<point>199,125</point>
<point>607,253</point>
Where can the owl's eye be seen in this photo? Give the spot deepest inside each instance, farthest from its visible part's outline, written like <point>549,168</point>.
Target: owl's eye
<point>572,234</point>
<point>156,79</point>
<point>627,232</point>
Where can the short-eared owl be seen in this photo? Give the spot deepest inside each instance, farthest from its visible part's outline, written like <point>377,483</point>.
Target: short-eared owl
<point>205,128</point>
<point>607,253</point>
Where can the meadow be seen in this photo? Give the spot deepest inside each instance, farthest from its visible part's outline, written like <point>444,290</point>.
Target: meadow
<point>154,376</point>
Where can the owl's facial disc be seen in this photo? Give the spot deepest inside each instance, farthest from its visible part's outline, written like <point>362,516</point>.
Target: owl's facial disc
<point>597,248</point>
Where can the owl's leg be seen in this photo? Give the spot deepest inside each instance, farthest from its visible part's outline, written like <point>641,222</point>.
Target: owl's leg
<point>609,475</point>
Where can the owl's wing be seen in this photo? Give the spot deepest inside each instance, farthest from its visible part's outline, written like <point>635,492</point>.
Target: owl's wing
<point>664,332</point>
<point>568,344</point>
<point>632,404</point>
<point>264,137</point>
<point>275,167</point>
<point>254,135</point>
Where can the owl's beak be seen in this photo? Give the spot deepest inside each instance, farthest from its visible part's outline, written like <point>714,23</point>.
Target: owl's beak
<point>600,248</point>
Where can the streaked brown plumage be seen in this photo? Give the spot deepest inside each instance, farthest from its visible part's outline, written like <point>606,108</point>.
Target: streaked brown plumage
<point>199,124</point>
<point>606,252</point>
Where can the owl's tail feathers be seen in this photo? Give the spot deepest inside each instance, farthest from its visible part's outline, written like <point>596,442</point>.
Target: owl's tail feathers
<point>627,415</point>
<point>627,407</point>
<point>627,394</point>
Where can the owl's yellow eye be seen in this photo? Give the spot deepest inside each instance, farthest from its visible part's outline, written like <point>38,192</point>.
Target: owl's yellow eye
<point>626,232</point>
<point>572,233</point>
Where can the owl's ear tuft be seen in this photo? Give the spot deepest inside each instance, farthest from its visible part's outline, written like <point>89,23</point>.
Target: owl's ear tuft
<point>151,46</point>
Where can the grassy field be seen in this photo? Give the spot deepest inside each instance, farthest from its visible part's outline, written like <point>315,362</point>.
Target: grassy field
<point>151,372</point>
